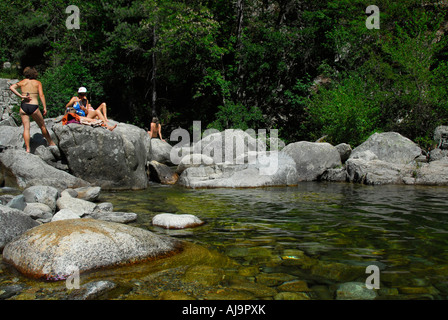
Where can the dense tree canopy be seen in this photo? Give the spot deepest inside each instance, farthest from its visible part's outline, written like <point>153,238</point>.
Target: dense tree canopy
<point>308,68</point>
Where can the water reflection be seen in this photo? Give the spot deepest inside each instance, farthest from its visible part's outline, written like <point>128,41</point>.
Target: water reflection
<point>402,229</point>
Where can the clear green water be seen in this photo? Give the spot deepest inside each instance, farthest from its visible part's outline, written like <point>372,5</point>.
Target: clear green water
<point>258,239</point>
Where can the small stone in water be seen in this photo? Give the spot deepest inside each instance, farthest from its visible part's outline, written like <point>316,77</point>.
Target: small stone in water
<point>176,221</point>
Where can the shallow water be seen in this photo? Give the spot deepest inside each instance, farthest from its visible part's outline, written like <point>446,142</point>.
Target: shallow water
<point>256,240</point>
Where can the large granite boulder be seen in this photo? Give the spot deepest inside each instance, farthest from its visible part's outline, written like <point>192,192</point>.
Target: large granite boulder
<point>227,145</point>
<point>12,136</point>
<point>434,173</point>
<point>375,172</point>
<point>438,133</point>
<point>108,159</point>
<point>390,147</point>
<point>160,151</point>
<point>385,158</point>
<point>269,169</point>
<point>221,147</point>
<point>23,170</point>
<point>313,159</point>
<point>193,160</point>
<point>55,250</point>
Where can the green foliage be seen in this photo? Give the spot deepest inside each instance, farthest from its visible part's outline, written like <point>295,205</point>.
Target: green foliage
<point>61,83</point>
<point>348,112</point>
<point>243,64</point>
<point>237,116</point>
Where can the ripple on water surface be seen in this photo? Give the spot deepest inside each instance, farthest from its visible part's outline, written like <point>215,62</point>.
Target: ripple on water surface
<point>323,234</point>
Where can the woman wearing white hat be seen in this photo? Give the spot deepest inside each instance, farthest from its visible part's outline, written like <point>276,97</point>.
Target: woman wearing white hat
<point>82,108</point>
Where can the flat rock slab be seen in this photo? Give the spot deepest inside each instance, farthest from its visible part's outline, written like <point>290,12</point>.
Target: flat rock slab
<point>55,250</point>
<point>176,221</point>
<point>24,170</point>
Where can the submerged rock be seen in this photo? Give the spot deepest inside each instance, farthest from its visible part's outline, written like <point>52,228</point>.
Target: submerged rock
<point>355,291</point>
<point>206,275</point>
<point>54,250</point>
<point>292,296</point>
<point>176,221</point>
<point>92,290</point>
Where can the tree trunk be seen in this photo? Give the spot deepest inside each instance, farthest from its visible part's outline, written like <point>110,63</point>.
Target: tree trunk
<point>240,19</point>
<point>154,75</point>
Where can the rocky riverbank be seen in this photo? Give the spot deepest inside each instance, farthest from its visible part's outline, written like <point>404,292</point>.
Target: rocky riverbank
<point>58,207</point>
<point>127,159</point>
<point>49,234</point>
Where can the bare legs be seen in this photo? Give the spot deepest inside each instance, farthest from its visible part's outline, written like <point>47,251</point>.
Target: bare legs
<point>101,113</point>
<point>26,129</point>
<point>91,118</point>
<point>102,109</point>
<point>37,116</point>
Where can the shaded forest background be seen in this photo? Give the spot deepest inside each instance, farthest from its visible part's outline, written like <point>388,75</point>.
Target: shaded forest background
<point>308,68</point>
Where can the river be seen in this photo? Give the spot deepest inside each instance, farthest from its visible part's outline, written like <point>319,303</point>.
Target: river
<point>272,243</point>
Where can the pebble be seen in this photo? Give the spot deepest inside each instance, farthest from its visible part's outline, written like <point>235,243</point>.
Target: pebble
<point>273,279</point>
<point>294,286</point>
<point>291,296</point>
<point>92,290</point>
<point>9,291</point>
<point>355,291</point>
<point>229,294</point>
<point>258,290</point>
<point>203,274</point>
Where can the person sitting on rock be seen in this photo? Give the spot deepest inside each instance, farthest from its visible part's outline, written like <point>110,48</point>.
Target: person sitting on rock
<point>31,89</point>
<point>82,108</point>
<point>156,129</point>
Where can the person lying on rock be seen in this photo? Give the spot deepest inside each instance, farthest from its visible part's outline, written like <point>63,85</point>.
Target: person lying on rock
<point>156,129</point>
<point>31,89</point>
<point>82,108</point>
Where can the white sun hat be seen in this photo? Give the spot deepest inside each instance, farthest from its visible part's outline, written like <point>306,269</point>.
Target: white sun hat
<point>82,90</point>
